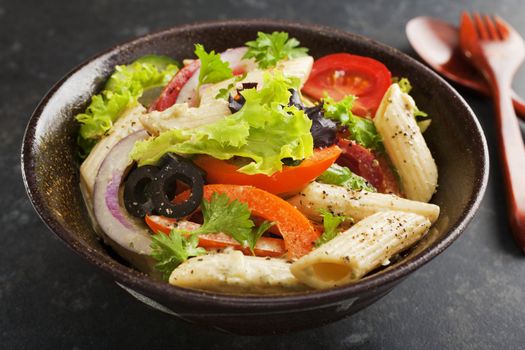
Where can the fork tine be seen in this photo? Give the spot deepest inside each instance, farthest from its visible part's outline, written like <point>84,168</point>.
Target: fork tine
<point>483,34</point>
<point>503,27</point>
<point>467,30</point>
<point>491,29</point>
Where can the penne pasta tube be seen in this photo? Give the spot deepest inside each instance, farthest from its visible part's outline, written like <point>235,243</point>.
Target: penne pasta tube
<point>181,116</point>
<point>355,204</point>
<point>405,145</point>
<point>233,272</point>
<point>362,248</point>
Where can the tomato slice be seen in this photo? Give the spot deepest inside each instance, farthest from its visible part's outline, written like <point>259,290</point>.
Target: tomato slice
<point>289,180</point>
<point>169,95</point>
<point>373,167</point>
<point>342,74</point>
<point>266,246</point>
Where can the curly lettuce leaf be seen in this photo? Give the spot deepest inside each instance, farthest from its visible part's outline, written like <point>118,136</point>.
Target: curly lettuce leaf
<point>362,130</point>
<point>265,130</point>
<point>122,90</point>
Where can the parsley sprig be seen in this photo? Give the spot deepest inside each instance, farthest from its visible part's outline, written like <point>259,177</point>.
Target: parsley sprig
<point>268,49</point>
<point>213,69</point>
<point>220,215</point>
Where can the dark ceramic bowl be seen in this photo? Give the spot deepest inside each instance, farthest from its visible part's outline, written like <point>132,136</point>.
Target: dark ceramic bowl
<point>50,170</point>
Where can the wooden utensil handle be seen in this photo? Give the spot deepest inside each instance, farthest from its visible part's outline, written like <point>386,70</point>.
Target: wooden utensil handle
<point>512,151</point>
<point>519,105</point>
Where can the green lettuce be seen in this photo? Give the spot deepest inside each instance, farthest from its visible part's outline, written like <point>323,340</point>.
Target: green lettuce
<point>344,177</point>
<point>122,90</point>
<point>362,130</point>
<point>330,224</point>
<point>265,130</point>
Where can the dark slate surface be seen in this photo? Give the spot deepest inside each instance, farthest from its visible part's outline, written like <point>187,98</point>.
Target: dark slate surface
<point>472,296</point>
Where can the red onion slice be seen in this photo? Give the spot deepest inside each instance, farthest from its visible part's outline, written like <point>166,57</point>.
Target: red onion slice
<point>121,229</point>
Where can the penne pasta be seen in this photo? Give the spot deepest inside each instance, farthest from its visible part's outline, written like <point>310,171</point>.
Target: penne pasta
<point>405,145</point>
<point>233,272</point>
<point>365,246</point>
<point>181,116</point>
<point>355,204</point>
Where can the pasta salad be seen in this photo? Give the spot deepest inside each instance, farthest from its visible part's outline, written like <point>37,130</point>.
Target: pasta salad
<point>258,170</point>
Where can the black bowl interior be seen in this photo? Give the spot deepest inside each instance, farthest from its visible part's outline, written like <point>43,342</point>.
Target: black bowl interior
<point>50,165</point>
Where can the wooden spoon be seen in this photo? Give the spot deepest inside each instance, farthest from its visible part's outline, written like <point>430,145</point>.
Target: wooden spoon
<point>437,43</point>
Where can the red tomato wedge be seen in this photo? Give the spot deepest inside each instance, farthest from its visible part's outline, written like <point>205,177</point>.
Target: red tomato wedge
<point>266,246</point>
<point>289,180</point>
<point>297,231</point>
<point>342,74</point>
<point>374,168</point>
<point>169,95</point>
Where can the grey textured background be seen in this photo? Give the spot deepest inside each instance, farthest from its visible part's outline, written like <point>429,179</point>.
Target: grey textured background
<point>471,296</point>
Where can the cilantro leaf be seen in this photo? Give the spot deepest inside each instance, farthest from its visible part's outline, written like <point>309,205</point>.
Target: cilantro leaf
<point>330,223</point>
<point>221,215</point>
<point>268,49</point>
<point>170,251</point>
<point>213,69</point>
<point>344,177</point>
<point>231,218</point>
<point>362,130</point>
<point>257,233</point>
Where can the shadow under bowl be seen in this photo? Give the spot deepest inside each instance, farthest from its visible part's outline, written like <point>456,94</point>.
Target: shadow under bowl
<point>51,174</point>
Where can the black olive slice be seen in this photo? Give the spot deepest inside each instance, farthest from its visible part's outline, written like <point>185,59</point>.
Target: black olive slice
<point>235,103</point>
<point>291,161</point>
<point>168,158</point>
<point>164,185</point>
<point>137,190</point>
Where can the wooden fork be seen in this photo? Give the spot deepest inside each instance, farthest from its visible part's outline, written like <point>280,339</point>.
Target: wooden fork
<point>497,50</point>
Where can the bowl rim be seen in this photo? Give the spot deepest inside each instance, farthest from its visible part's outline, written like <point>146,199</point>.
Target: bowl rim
<point>140,281</point>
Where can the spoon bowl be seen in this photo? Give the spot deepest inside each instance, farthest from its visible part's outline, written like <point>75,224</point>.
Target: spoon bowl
<point>437,43</point>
